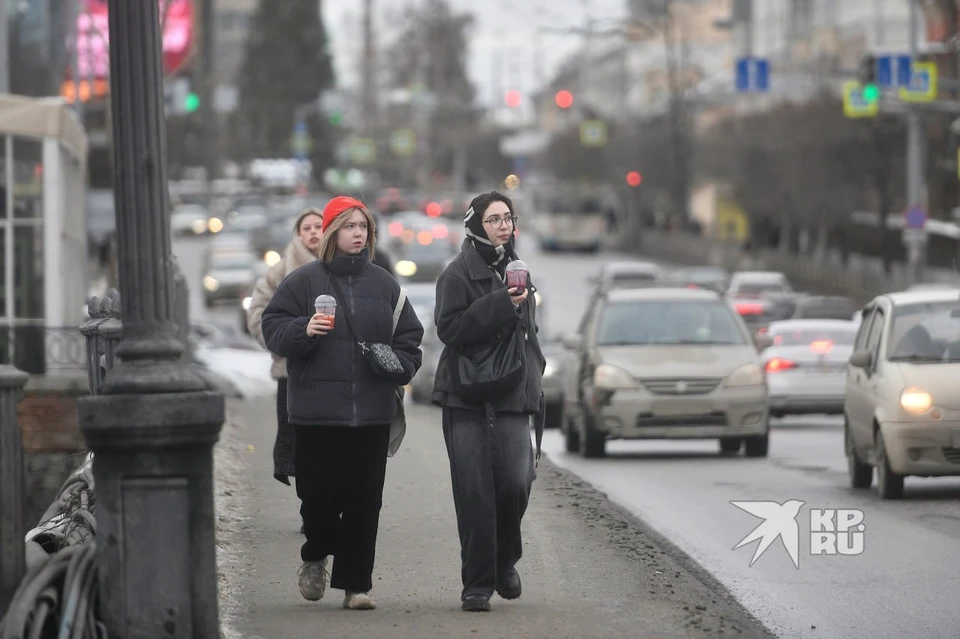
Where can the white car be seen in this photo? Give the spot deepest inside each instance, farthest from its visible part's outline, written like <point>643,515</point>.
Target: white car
<point>902,408</point>
<point>806,365</point>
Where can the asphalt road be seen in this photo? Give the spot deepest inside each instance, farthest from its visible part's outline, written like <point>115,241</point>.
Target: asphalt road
<point>902,585</point>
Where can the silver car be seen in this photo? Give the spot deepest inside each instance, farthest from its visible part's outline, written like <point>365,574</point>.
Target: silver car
<point>663,363</point>
<point>806,365</point>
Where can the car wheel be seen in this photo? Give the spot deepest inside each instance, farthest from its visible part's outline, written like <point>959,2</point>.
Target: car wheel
<point>571,437</point>
<point>757,446</point>
<point>592,443</point>
<point>730,445</point>
<point>889,483</point>
<point>861,475</point>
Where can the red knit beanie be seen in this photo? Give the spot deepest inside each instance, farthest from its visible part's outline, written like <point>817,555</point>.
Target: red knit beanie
<point>336,206</point>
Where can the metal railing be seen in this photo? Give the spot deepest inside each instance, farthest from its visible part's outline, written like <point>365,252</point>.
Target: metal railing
<point>48,576</point>
<point>38,349</point>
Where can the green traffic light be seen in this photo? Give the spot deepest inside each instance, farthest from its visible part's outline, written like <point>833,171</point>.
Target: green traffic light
<point>192,102</point>
<point>871,93</point>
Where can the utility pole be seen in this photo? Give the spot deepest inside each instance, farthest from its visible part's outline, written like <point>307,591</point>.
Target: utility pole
<point>369,104</point>
<point>916,197</point>
<point>4,48</point>
<point>207,86</point>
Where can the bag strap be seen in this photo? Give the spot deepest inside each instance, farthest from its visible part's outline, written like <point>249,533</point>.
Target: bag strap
<point>398,309</point>
<point>342,305</point>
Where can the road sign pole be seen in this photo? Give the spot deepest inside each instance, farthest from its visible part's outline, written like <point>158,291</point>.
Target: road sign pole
<point>915,171</point>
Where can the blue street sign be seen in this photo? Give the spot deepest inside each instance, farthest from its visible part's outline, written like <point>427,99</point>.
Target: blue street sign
<point>752,74</point>
<point>916,218</point>
<point>743,75</point>
<point>762,75</point>
<point>904,70</point>
<point>885,72</point>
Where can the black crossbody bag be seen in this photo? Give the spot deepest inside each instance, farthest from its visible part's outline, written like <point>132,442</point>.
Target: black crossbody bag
<point>379,356</point>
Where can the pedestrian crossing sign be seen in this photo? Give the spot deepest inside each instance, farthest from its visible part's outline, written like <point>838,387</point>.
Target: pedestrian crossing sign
<point>855,105</point>
<point>923,83</point>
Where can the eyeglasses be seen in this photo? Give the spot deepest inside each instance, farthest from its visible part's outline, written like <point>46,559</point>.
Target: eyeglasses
<point>496,222</point>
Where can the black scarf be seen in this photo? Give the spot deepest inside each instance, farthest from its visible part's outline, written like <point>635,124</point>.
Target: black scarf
<point>495,256</point>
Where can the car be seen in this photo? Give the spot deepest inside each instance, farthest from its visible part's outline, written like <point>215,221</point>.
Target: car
<point>902,408</point>
<point>571,224</point>
<point>421,249</point>
<point>824,307</point>
<point>710,277</point>
<point>806,365</point>
<point>627,274</point>
<point>229,273</point>
<point>757,283</point>
<point>663,363</point>
<point>191,219</point>
<point>552,384</point>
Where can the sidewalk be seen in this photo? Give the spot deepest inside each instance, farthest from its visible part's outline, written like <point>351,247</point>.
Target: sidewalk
<point>589,570</point>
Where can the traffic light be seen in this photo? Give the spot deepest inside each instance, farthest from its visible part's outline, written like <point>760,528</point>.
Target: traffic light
<point>867,76</point>
<point>634,178</point>
<point>191,102</point>
<point>513,98</point>
<point>564,99</point>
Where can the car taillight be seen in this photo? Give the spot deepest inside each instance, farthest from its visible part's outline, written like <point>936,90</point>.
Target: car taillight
<point>396,229</point>
<point>821,346</point>
<point>434,209</point>
<point>778,364</point>
<point>749,308</point>
<point>440,231</point>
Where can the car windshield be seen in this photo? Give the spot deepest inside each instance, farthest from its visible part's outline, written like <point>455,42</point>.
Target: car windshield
<point>436,250</point>
<point>787,336</point>
<point>668,322</point>
<point>925,332</point>
<point>231,262</point>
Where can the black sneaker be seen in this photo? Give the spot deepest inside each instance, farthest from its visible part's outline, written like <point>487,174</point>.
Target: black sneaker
<point>476,603</point>
<point>508,584</point>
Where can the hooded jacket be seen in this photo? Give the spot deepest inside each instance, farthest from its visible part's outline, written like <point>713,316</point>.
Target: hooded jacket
<point>294,256</point>
<point>329,381</point>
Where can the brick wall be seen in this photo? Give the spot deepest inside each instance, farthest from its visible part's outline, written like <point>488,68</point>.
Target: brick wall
<point>53,445</point>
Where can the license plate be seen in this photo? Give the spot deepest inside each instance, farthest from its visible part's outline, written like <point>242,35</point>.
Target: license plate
<point>956,439</point>
<point>667,409</point>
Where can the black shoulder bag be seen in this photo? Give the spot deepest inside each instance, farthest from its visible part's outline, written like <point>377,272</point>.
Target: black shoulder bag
<point>481,373</point>
<point>381,357</point>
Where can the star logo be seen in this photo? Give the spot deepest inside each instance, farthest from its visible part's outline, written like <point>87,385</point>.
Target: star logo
<point>779,521</point>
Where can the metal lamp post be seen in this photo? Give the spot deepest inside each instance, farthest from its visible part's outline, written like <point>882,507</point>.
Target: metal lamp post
<point>152,430</point>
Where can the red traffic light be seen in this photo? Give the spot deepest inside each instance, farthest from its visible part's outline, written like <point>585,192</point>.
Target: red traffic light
<point>634,178</point>
<point>564,99</point>
<point>513,98</point>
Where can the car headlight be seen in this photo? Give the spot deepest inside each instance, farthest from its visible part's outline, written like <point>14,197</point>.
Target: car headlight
<point>215,225</point>
<point>271,258</point>
<point>550,368</point>
<point>609,377</point>
<point>210,283</point>
<point>537,298</point>
<point>247,301</point>
<point>915,400</point>
<point>746,375</point>
<point>405,268</point>
<point>198,226</point>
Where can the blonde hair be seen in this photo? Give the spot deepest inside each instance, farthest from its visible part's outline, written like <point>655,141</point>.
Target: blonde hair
<point>328,243</point>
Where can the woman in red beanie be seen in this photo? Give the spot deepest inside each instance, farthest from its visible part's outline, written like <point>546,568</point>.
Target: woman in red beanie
<point>340,404</point>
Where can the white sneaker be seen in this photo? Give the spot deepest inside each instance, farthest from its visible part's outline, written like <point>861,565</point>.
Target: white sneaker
<point>358,601</point>
<point>313,579</point>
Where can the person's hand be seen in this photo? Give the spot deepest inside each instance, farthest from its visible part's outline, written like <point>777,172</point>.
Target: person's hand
<point>515,298</point>
<point>318,325</point>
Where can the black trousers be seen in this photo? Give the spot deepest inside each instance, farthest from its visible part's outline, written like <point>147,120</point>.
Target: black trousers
<point>340,477</point>
<point>492,471</point>
<point>285,445</point>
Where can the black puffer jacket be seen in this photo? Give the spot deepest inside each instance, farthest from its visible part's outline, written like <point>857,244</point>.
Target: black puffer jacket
<point>330,383</point>
<point>472,307</point>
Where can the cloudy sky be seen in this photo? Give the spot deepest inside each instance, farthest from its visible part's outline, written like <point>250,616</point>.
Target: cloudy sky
<point>507,27</point>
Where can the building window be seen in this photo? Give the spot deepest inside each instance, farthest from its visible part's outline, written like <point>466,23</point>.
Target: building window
<point>28,275</point>
<point>27,178</point>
